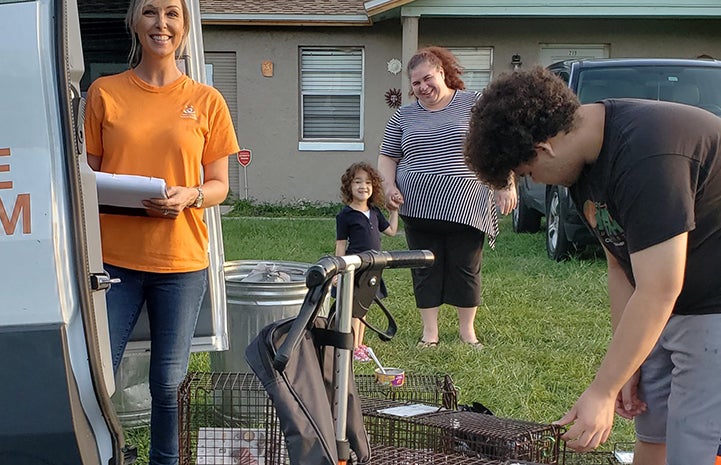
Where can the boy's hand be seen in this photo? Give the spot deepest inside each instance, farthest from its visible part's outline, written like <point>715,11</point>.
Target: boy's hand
<point>628,402</point>
<point>591,420</point>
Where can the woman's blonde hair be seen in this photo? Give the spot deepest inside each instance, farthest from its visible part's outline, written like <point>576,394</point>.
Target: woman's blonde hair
<point>131,19</point>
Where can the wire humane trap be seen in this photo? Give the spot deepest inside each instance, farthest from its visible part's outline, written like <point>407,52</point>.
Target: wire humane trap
<point>622,454</point>
<point>428,389</point>
<point>589,458</point>
<point>227,418</point>
<point>405,456</point>
<point>460,432</point>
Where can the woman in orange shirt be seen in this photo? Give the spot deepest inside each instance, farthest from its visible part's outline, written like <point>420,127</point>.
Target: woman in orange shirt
<point>153,120</point>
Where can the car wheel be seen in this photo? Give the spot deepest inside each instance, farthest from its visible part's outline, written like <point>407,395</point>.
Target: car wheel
<point>557,245</point>
<point>525,219</point>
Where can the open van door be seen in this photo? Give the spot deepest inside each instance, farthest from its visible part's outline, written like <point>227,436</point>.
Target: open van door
<point>55,405</point>
<point>57,373</point>
<point>211,332</point>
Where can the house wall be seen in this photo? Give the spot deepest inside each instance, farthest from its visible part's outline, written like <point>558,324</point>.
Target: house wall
<point>268,107</point>
<point>676,38</point>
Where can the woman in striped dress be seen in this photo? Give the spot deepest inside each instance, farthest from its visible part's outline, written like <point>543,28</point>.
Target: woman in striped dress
<point>444,207</point>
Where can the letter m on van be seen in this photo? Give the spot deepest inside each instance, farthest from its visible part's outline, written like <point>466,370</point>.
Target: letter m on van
<point>21,207</point>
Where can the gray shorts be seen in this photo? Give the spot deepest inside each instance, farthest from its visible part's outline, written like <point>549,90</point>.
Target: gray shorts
<point>681,383</point>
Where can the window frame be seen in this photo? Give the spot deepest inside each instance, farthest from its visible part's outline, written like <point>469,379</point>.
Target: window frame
<point>489,70</point>
<point>340,144</point>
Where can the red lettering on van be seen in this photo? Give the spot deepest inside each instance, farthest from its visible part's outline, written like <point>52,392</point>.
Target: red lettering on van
<point>5,152</point>
<point>21,207</point>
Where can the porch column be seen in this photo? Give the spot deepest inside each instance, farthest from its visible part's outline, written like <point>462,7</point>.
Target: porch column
<point>410,45</point>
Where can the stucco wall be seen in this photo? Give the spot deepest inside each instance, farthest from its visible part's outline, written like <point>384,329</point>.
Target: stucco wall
<point>627,38</point>
<point>268,107</point>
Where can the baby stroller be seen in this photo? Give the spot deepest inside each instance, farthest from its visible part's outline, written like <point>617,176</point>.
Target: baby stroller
<point>305,363</point>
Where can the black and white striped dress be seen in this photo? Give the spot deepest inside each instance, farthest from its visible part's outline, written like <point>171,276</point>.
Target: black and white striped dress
<point>432,175</point>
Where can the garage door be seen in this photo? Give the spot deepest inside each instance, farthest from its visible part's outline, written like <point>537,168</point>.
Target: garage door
<point>552,53</point>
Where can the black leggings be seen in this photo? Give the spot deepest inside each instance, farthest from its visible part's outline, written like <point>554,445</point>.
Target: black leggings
<point>455,277</point>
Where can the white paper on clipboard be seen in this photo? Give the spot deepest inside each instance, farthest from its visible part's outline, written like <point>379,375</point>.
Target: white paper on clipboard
<point>127,190</point>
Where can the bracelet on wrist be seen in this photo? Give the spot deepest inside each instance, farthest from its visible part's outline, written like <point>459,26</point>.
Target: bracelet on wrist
<point>198,203</point>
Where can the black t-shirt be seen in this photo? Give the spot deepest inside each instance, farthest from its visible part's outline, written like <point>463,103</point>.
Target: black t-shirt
<point>658,175</point>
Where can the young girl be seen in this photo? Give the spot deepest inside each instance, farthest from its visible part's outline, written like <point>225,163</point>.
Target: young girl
<point>359,226</point>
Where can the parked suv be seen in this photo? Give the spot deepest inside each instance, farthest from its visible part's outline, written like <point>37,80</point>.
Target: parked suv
<point>693,82</point>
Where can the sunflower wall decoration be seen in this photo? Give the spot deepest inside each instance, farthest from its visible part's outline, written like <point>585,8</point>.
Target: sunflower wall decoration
<point>393,98</point>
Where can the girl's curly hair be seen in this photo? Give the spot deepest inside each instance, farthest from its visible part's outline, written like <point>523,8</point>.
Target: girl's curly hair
<point>515,112</point>
<point>377,199</point>
<point>443,59</point>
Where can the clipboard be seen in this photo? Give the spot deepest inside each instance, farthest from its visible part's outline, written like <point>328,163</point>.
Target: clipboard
<point>123,194</point>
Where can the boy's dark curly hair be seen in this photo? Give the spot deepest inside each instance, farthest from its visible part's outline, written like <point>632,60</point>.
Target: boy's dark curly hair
<point>378,197</point>
<point>442,58</point>
<point>515,112</point>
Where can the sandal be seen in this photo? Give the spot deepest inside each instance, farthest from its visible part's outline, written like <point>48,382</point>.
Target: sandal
<point>427,344</point>
<point>360,354</point>
<point>477,345</point>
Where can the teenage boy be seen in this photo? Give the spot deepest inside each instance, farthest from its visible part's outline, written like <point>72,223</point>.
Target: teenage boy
<point>646,176</point>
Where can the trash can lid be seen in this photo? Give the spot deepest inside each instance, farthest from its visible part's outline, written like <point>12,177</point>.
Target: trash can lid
<point>265,271</point>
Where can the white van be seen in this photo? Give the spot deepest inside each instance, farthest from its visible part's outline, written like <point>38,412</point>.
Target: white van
<point>57,375</point>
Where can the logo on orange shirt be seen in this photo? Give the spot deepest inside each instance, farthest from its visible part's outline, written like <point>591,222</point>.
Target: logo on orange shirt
<point>189,112</point>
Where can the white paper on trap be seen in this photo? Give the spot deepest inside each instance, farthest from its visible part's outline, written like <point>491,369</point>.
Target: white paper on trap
<point>231,446</point>
<point>624,457</point>
<point>410,410</point>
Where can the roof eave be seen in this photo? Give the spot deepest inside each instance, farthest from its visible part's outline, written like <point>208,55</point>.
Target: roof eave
<point>376,7</point>
<point>284,20</point>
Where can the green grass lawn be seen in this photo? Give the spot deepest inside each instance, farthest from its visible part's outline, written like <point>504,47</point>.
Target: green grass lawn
<point>545,325</point>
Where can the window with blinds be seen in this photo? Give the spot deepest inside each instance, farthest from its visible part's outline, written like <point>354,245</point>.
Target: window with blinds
<point>477,63</point>
<point>331,89</point>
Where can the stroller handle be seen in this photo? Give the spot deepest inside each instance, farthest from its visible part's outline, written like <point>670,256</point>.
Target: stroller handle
<point>327,267</point>
<point>318,280</point>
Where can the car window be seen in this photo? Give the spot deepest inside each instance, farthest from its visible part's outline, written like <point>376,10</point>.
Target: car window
<point>563,74</point>
<point>698,86</point>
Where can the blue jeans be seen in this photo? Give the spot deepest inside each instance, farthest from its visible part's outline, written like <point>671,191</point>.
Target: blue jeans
<point>173,302</point>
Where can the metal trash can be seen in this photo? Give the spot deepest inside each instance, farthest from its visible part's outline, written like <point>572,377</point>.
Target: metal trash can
<point>258,293</point>
<point>132,390</point>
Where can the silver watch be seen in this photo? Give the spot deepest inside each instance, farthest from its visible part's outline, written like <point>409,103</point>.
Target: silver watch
<point>199,200</point>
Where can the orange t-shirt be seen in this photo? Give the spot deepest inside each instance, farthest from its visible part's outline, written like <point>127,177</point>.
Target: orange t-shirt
<point>165,132</point>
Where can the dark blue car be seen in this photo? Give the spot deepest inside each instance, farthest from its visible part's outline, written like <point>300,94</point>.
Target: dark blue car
<point>692,82</point>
